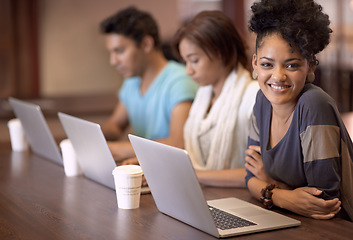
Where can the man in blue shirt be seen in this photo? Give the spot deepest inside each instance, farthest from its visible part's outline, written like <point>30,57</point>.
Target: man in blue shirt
<point>156,95</point>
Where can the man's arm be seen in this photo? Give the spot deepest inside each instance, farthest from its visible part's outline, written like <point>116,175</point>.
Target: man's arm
<point>116,123</point>
<point>113,129</point>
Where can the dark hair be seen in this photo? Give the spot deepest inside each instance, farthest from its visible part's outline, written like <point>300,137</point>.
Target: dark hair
<point>132,23</point>
<point>215,34</point>
<point>300,22</point>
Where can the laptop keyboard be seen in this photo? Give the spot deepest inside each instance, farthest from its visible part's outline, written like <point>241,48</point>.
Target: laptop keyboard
<point>227,221</point>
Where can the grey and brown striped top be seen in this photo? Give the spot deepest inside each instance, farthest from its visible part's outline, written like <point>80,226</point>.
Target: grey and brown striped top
<point>316,151</point>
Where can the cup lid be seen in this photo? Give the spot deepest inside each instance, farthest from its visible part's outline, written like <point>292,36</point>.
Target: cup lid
<point>65,141</point>
<point>14,121</point>
<point>128,169</point>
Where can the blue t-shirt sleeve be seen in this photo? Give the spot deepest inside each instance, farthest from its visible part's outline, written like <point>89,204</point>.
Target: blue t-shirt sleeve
<point>183,89</point>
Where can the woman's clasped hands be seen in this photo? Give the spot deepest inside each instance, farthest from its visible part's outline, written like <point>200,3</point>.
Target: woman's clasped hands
<point>304,200</point>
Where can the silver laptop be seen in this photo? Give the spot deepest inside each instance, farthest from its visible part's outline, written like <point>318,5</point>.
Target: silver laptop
<point>36,129</point>
<point>166,166</point>
<point>91,148</point>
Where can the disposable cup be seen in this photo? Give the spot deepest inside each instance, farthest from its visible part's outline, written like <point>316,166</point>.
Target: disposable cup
<point>71,165</point>
<point>18,138</point>
<point>128,180</point>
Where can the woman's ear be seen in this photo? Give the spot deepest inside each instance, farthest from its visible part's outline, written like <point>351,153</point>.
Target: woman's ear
<point>254,66</point>
<point>311,74</point>
<point>254,61</point>
<point>312,68</point>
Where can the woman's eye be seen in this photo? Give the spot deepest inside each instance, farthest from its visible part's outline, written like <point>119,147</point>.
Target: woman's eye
<point>119,50</point>
<point>293,66</point>
<point>266,65</point>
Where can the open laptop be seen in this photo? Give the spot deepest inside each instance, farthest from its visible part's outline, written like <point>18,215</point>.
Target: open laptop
<point>36,129</point>
<point>91,148</point>
<point>166,166</point>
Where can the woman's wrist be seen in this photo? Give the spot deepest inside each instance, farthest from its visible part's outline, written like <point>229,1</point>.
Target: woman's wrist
<point>266,195</point>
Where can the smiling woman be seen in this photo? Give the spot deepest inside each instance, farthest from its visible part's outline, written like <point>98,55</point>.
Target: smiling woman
<point>281,72</point>
<point>297,135</point>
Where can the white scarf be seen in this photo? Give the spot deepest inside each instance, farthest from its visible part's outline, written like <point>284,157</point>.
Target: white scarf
<point>223,115</point>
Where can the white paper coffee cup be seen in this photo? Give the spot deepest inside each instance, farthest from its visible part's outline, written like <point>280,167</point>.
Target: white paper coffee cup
<point>71,165</point>
<point>18,138</point>
<point>128,180</point>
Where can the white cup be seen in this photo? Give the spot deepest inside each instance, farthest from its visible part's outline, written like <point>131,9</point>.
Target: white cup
<point>128,180</point>
<point>71,165</point>
<point>18,138</point>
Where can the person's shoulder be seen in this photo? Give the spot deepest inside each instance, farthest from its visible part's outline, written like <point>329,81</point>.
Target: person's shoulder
<point>314,97</point>
<point>174,68</point>
<point>315,106</point>
<point>175,65</point>
<point>261,102</point>
<point>175,73</point>
<point>260,97</point>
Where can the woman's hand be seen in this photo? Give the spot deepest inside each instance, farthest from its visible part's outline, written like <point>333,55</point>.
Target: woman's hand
<point>130,161</point>
<point>253,163</point>
<point>305,201</point>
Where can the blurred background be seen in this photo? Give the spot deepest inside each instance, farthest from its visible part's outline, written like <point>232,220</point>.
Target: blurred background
<point>52,49</point>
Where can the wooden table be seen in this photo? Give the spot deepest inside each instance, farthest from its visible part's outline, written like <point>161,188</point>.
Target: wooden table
<point>37,201</point>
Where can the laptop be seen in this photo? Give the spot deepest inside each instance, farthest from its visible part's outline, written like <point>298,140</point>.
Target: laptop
<point>166,166</point>
<point>36,129</point>
<point>91,148</point>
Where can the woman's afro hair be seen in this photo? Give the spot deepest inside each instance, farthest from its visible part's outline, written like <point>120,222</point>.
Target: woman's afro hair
<point>300,22</point>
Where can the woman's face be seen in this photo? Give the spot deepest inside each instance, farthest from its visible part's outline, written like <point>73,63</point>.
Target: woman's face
<point>203,70</point>
<point>281,72</point>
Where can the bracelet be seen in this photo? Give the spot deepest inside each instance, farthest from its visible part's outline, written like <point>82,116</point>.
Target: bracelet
<point>266,195</point>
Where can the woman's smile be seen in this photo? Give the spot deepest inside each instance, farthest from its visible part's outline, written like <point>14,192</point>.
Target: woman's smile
<point>277,86</point>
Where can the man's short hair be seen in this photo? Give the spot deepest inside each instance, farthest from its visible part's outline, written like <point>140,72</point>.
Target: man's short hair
<point>132,23</point>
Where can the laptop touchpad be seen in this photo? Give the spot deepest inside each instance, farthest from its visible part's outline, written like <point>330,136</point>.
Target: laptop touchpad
<point>249,211</point>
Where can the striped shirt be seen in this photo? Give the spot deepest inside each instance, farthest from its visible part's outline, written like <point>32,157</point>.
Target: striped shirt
<point>316,151</point>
